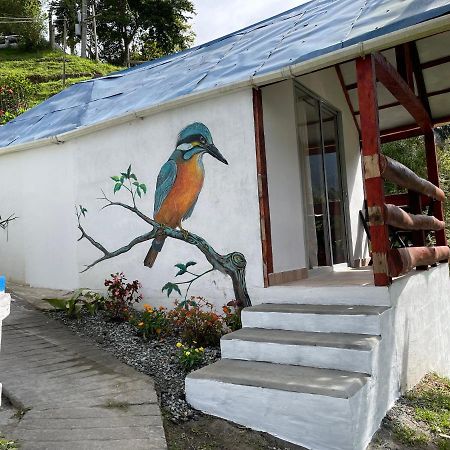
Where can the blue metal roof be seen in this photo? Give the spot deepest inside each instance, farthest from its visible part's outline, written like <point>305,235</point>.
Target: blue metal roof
<point>302,33</point>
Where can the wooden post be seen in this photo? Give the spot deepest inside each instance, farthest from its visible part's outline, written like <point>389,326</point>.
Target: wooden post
<point>370,136</point>
<point>263,191</point>
<point>433,176</point>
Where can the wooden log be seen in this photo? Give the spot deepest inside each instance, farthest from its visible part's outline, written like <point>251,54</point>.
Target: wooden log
<point>399,218</point>
<point>402,260</point>
<point>400,175</point>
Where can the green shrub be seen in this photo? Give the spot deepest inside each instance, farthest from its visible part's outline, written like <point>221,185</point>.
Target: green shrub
<point>232,317</point>
<point>153,322</point>
<point>190,356</point>
<point>15,95</point>
<point>198,322</point>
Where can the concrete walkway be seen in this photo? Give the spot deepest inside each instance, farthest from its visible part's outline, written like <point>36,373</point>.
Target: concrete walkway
<point>73,395</point>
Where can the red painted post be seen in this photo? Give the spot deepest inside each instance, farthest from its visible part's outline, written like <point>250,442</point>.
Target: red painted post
<point>370,137</point>
<point>433,176</point>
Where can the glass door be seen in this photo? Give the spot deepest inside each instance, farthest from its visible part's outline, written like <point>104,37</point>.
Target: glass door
<point>319,150</point>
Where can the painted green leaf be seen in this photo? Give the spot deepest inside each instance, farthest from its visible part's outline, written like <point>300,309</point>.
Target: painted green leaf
<point>133,176</point>
<point>117,187</point>
<point>129,171</point>
<point>115,178</point>
<point>169,287</point>
<point>176,289</point>
<point>139,192</point>
<point>136,184</point>
<point>143,187</point>
<point>191,263</point>
<point>124,175</point>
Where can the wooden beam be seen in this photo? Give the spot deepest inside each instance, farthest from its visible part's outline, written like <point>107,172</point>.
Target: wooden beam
<point>399,133</point>
<point>418,74</point>
<point>404,64</point>
<point>402,176</point>
<point>402,260</point>
<point>347,97</point>
<point>399,218</point>
<point>395,84</point>
<point>370,137</point>
<point>263,191</point>
<point>435,62</point>
<point>433,177</point>
<point>402,199</point>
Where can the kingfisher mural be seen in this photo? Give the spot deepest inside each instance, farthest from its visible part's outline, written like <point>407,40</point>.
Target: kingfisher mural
<point>180,182</point>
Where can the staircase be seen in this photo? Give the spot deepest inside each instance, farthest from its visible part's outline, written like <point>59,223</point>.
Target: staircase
<point>312,374</point>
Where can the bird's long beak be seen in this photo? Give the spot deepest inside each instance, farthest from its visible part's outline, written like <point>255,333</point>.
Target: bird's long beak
<point>214,151</point>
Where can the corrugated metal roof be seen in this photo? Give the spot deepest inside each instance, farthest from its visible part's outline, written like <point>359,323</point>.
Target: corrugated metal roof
<point>303,33</point>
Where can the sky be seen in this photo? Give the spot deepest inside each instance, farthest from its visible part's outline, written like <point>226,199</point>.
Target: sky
<point>218,18</point>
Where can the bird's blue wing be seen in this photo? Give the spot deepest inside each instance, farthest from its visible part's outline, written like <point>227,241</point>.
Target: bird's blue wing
<point>164,183</point>
<point>191,210</point>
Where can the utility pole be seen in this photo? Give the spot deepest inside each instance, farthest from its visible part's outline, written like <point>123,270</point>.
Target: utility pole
<point>83,27</point>
<point>51,29</point>
<point>64,52</point>
<point>94,29</point>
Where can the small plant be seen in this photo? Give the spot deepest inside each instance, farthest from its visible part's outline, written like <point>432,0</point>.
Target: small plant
<point>153,322</point>
<point>121,296</point>
<point>6,444</point>
<point>232,316</point>
<point>190,356</point>
<point>125,180</point>
<point>197,322</point>
<point>80,298</point>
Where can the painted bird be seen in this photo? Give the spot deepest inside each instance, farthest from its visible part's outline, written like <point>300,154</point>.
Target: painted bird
<point>180,181</point>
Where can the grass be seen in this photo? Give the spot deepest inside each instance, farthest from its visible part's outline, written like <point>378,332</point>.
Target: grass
<point>44,69</point>
<point>409,436</point>
<point>112,404</point>
<point>6,444</point>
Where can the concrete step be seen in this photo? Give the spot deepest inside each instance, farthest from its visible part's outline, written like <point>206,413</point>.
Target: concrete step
<point>359,319</point>
<point>312,407</point>
<point>341,351</point>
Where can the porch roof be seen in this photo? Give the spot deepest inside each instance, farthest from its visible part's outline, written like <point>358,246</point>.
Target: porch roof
<point>304,33</point>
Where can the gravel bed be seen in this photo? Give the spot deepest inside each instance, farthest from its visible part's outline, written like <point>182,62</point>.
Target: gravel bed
<point>157,359</point>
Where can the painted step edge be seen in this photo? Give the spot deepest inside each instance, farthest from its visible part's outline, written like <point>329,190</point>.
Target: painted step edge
<point>353,360</point>
<point>317,422</point>
<point>317,323</point>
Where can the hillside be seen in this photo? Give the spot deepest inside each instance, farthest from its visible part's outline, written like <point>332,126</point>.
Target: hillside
<point>44,70</point>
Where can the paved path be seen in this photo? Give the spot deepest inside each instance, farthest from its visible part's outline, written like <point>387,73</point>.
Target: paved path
<point>75,395</point>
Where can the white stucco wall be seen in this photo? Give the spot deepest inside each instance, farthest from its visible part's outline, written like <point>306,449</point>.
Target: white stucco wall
<point>43,185</point>
<point>284,178</point>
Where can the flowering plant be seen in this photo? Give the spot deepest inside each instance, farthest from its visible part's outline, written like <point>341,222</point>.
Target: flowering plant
<point>121,296</point>
<point>153,322</point>
<point>232,315</point>
<point>190,356</point>
<point>198,322</point>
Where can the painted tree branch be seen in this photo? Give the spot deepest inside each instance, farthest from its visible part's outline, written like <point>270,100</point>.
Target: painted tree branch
<point>232,264</point>
<point>4,223</point>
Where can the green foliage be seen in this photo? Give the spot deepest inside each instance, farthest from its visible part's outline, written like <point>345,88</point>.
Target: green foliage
<point>232,317</point>
<point>190,356</point>
<point>182,270</point>
<point>142,28</point>
<point>154,322</point>
<point>66,9</point>
<point>6,444</point>
<point>409,436</point>
<point>73,305</point>
<point>197,322</point>
<point>31,33</point>
<point>129,181</point>
<point>15,96</point>
<point>42,70</point>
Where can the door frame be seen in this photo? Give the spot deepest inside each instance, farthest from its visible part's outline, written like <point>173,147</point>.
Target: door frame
<point>300,89</point>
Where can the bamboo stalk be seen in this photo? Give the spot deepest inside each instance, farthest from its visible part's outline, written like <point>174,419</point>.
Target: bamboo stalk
<point>402,260</point>
<point>399,218</point>
<point>399,174</point>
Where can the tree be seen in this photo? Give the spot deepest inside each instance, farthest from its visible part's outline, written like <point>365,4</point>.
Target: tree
<point>27,21</point>
<point>144,28</point>
<point>66,10</point>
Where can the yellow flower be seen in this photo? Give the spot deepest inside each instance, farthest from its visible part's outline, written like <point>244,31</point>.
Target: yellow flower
<point>201,349</point>
<point>146,306</point>
<point>141,324</point>
<point>196,350</point>
<point>179,344</point>
<point>187,353</point>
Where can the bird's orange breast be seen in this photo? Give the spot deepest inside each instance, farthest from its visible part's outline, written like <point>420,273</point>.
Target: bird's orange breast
<point>188,184</point>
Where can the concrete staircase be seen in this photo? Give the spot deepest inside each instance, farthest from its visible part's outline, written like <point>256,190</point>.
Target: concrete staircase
<point>308,373</point>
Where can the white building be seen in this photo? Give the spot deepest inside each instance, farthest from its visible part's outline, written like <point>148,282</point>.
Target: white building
<point>281,101</point>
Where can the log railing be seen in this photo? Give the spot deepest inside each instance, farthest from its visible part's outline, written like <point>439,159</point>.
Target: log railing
<point>392,262</point>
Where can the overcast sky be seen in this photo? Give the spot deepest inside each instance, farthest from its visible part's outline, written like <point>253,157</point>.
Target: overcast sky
<point>218,18</point>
